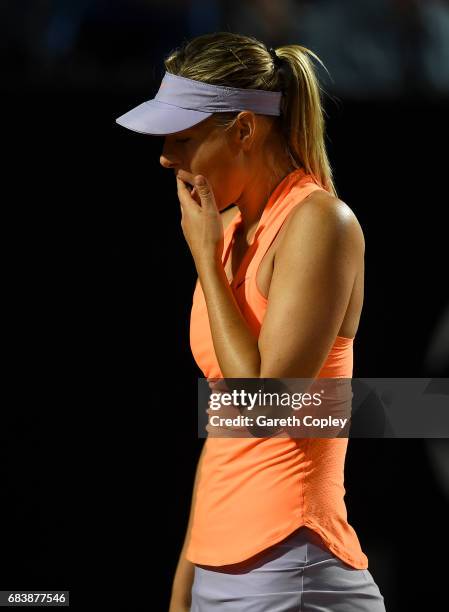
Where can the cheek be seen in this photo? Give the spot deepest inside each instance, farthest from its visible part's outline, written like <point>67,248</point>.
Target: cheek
<point>227,188</point>
<point>209,157</point>
<point>222,171</point>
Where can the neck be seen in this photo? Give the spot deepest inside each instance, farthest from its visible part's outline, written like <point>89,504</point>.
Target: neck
<point>255,196</point>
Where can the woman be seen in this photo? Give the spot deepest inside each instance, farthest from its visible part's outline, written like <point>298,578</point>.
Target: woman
<point>279,295</point>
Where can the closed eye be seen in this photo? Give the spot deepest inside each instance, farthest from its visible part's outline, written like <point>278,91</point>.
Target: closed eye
<point>183,139</point>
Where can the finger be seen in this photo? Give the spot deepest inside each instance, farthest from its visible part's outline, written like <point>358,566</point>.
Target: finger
<point>205,192</point>
<point>183,191</point>
<point>187,177</point>
<point>181,185</point>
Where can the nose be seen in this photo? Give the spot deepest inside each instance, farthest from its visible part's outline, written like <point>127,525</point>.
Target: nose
<point>168,161</point>
<point>168,158</point>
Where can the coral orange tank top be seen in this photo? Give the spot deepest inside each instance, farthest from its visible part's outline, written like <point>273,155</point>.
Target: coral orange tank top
<point>254,492</point>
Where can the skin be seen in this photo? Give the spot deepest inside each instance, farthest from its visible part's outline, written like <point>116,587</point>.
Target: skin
<point>317,266</point>
<point>316,287</point>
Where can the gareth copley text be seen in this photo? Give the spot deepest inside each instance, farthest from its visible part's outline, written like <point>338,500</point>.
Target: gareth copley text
<point>263,421</point>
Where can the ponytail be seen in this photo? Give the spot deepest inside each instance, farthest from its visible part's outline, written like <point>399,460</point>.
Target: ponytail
<point>302,114</point>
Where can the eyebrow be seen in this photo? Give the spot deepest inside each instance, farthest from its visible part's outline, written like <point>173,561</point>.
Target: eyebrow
<point>182,134</point>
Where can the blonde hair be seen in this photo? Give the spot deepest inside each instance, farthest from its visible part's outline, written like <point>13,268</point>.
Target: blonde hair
<point>234,60</point>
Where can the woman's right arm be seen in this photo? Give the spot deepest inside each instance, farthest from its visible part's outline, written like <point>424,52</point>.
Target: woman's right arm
<point>181,594</point>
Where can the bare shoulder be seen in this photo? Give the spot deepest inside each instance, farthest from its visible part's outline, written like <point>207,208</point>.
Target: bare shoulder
<point>228,214</point>
<point>322,212</point>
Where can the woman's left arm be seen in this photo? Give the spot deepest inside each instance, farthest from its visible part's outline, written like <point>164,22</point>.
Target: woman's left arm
<point>314,274</point>
<point>313,277</point>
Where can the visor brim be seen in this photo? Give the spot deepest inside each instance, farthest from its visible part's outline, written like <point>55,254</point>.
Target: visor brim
<point>159,119</point>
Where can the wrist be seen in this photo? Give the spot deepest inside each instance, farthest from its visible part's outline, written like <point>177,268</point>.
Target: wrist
<point>209,265</point>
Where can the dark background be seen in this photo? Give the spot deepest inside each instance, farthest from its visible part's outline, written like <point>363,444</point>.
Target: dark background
<point>98,283</point>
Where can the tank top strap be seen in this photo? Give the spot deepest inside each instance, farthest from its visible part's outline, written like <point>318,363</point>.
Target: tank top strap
<point>290,192</point>
<point>228,237</point>
<point>275,220</point>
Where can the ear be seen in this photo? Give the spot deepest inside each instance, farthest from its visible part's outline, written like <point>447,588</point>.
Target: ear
<point>246,125</point>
